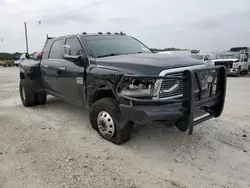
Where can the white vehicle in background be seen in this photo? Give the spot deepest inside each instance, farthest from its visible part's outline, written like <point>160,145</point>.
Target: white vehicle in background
<point>175,52</point>
<point>244,50</point>
<point>21,59</point>
<point>235,63</point>
<point>17,63</point>
<point>203,57</point>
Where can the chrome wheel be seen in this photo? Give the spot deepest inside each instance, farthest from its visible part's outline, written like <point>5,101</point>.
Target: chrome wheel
<point>106,124</point>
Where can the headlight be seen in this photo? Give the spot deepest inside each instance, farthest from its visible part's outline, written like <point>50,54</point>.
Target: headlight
<point>235,65</point>
<point>138,88</point>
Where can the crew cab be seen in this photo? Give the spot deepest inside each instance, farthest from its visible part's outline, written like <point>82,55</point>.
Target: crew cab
<point>122,82</point>
<point>235,63</point>
<point>244,50</point>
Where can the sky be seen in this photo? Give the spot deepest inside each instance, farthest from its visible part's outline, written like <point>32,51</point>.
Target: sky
<point>193,24</point>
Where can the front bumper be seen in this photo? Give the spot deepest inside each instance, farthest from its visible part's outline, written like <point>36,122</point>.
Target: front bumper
<point>232,71</point>
<point>190,109</point>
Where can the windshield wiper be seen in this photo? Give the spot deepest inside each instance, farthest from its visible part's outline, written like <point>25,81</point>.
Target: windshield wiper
<point>141,52</point>
<point>113,54</point>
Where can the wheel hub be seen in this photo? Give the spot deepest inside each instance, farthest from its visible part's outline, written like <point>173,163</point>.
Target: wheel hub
<point>106,124</point>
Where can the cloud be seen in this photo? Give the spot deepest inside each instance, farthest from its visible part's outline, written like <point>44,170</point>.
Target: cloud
<point>62,18</point>
<point>208,23</point>
<point>159,23</point>
<point>122,21</point>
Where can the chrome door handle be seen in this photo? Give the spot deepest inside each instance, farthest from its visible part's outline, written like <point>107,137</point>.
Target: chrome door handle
<point>62,68</point>
<point>45,66</point>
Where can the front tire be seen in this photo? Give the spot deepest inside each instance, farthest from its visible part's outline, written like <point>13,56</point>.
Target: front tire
<point>246,72</point>
<point>105,117</point>
<point>28,97</point>
<point>41,98</point>
<point>238,72</point>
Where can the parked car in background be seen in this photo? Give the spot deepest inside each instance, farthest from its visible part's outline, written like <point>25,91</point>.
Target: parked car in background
<point>203,57</point>
<point>245,50</point>
<point>177,52</point>
<point>16,61</point>
<point>235,63</point>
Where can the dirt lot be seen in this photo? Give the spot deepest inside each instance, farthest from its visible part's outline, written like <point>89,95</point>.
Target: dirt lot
<point>54,146</point>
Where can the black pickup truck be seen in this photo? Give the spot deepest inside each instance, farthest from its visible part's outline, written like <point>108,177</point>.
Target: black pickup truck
<point>122,82</point>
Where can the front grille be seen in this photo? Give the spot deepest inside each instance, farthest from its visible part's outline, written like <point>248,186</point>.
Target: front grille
<point>227,64</point>
<point>168,83</point>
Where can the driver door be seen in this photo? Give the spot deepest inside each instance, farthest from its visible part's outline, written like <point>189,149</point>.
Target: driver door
<point>72,74</point>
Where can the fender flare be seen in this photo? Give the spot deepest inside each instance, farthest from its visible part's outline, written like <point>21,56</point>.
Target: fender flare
<point>105,85</point>
<point>34,82</point>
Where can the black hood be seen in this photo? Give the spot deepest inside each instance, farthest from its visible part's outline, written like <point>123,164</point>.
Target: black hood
<point>147,63</point>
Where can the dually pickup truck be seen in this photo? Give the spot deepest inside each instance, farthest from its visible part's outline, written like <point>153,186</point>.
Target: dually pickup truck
<point>122,82</point>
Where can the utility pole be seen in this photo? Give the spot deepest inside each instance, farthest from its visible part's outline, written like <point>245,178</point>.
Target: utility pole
<point>26,37</point>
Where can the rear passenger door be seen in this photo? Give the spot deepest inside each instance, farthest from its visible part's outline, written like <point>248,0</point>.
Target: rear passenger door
<point>72,74</point>
<point>50,64</point>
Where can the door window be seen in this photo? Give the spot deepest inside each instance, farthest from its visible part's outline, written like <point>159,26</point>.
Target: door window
<point>56,49</point>
<point>75,46</point>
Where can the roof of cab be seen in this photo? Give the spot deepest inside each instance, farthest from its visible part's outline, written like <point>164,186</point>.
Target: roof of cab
<point>90,34</point>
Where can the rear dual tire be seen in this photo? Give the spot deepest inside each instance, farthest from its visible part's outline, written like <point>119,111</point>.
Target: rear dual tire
<point>28,96</point>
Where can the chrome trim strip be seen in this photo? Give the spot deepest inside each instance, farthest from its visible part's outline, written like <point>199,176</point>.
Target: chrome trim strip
<point>158,82</point>
<point>173,88</point>
<point>176,96</point>
<point>164,72</point>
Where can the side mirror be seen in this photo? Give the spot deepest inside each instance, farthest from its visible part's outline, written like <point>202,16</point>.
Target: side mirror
<point>66,50</point>
<point>67,54</point>
<point>72,58</point>
<point>78,60</point>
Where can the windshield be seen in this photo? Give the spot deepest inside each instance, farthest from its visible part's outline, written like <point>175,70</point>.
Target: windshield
<point>101,46</point>
<point>197,56</point>
<point>229,56</point>
<point>244,50</point>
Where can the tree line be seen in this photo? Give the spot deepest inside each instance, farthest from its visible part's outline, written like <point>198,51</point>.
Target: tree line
<point>9,56</point>
<point>173,49</point>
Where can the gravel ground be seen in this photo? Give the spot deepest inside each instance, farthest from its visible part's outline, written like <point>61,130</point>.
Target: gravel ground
<point>54,146</point>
